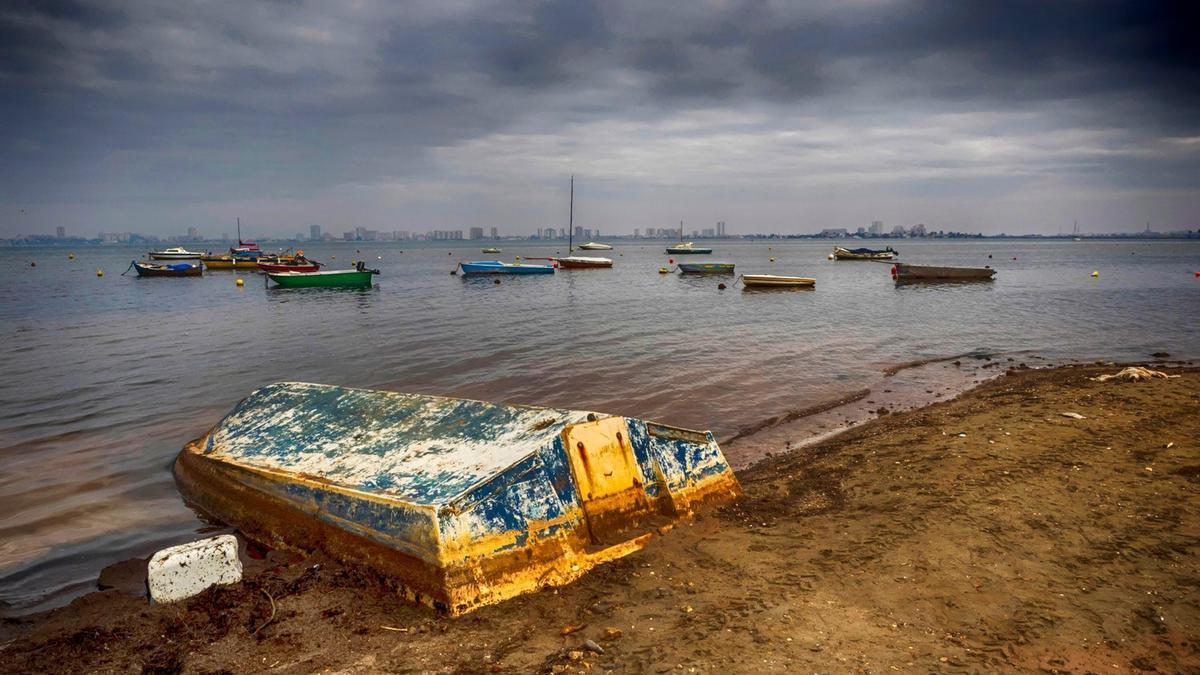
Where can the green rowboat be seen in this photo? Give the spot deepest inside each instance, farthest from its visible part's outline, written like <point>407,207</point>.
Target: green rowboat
<point>355,278</point>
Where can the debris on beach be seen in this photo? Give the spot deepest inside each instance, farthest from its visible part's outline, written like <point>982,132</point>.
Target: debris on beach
<point>1073,415</point>
<point>1134,374</point>
<point>182,571</point>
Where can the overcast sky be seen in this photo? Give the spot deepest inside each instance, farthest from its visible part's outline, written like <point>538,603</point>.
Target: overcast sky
<point>1013,116</point>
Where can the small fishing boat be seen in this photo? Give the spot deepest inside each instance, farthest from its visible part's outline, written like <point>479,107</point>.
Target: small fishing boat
<point>491,250</point>
<point>145,269</point>
<point>687,248</point>
<point>461,504</point>
<point>175,253</point>
<point>296,263</point>
<point>840,253</point>
<point>229,262</point>
<point>706,268</point>
<point>904,272</point>
<point>359,277</point>
<point>775,281</point>
<point>499,267</point>
<point>594,246</point>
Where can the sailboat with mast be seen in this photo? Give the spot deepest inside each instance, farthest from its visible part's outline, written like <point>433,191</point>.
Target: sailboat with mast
<point>579,262</point>
<point>687,248</point>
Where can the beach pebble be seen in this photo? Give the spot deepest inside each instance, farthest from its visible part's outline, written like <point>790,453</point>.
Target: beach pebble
<point>591,646</point>
<point>612,633</point>
<point>1073,415</point>
<point>182,571</point>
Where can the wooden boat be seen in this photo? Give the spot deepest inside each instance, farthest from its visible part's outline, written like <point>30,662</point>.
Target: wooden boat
<point>498,267</point>
<point>296,263</point>
<point>840,253</point>
<point>229,262</point>
<point>145,269</point>
<point>491,250</point>
<point>595,246</point>
<point>775,281</point>
<point>359,277</point>
<point>706,268</point>
<point>461,503</point>
<point>175,253</point>
<point>904,272</point>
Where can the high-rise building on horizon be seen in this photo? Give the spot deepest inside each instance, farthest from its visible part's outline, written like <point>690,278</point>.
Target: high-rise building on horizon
<point>476,233</point>
<point>60,232</point>
<point>876,228</point>
<point>495,235</point>
<point>314,232</point>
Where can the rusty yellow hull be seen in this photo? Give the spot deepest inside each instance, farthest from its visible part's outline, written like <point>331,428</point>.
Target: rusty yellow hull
<point>462,503</point>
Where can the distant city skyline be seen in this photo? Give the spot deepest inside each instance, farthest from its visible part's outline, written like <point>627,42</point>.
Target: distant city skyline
<point>1020,117</point>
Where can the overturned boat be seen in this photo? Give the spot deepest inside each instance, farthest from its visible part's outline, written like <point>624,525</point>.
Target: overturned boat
<point>905,272</point>
<point>464,503</point>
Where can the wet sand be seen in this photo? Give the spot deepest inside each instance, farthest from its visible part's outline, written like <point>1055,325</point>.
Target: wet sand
<point>988,532</point>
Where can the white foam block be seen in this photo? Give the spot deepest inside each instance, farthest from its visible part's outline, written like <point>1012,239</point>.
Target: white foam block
<point>183,571</point>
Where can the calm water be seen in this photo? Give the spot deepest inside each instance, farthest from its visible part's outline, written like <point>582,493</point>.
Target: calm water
<point>106,378</point>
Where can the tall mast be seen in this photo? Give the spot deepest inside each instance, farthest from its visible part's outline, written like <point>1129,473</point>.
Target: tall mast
<point>681,231</point>
<point>239,230</point>
<point>571,222</point>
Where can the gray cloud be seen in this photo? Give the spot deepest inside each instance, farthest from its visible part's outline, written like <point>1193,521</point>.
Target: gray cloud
<point>182,111</point>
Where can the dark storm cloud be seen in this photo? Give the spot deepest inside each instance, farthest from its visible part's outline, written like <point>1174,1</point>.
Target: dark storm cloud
<point>145,101</point>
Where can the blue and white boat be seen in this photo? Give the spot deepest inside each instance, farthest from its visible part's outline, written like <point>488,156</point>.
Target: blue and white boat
<point>462,503</point>
<point>498,267</point>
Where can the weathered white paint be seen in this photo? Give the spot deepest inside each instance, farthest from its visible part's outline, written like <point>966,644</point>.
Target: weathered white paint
<point>182,571</point>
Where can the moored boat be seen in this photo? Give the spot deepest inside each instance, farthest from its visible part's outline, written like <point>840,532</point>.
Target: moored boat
<point>175,253</point>
<point>688,248</point>
<point>499,267</point>
<point>903,272</point>
<point>229,262</point>
<point>359,277</point>
<point>491,250</point>
<point>840,253</point>
<point>296,263</point>
<point>145,269</point>
<point>579,262</point>
<point>595,246</point>
<point>776,281</point>
<point>461,503</point>
<point>706,268</point>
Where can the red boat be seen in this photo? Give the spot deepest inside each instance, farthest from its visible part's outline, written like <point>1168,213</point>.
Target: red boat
<point>297,265</point>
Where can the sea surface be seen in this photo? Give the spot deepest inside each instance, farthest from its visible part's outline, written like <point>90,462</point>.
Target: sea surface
<point>106,378</point>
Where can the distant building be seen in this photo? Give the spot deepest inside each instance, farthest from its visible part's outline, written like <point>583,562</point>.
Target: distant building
<point>314,232</point>
<point>60,232</point>
<point>579,232</point>
<point>720,228</point>
<point>876,228</point>
<point>348,236</point>
<point>476,233</point>
<point>635,233</point>
<point>708,232</point>
<point>834,233</point>
<point>898,231</point>
<point>495,235</point>
<point>549,233</point>
<point>917,230</point>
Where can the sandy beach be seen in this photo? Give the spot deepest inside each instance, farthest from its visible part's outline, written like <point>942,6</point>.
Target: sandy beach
<point>987,532</point>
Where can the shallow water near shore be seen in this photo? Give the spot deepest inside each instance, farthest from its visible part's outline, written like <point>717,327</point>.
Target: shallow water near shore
<point>107,377</point>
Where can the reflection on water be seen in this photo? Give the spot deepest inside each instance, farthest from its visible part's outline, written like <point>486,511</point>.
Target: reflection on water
<point>107,377</point>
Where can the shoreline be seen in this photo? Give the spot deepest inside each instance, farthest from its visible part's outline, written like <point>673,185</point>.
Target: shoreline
<point>895,542</point>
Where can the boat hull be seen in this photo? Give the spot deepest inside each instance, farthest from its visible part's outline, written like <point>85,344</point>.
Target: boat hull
<point>145,270</point>
<point>592,246</point>
<point>706,268</point>
<point>462,503</point>
<point>583,263</point>
<point>689,251</point>
<point>497,267</point>
<point>332,279</point>
<point>905,272</point>
<point>776,281</point>
<point>225,262</point>
<point>840,253</point>
<point>160,255</point>
<point>283,267</point>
